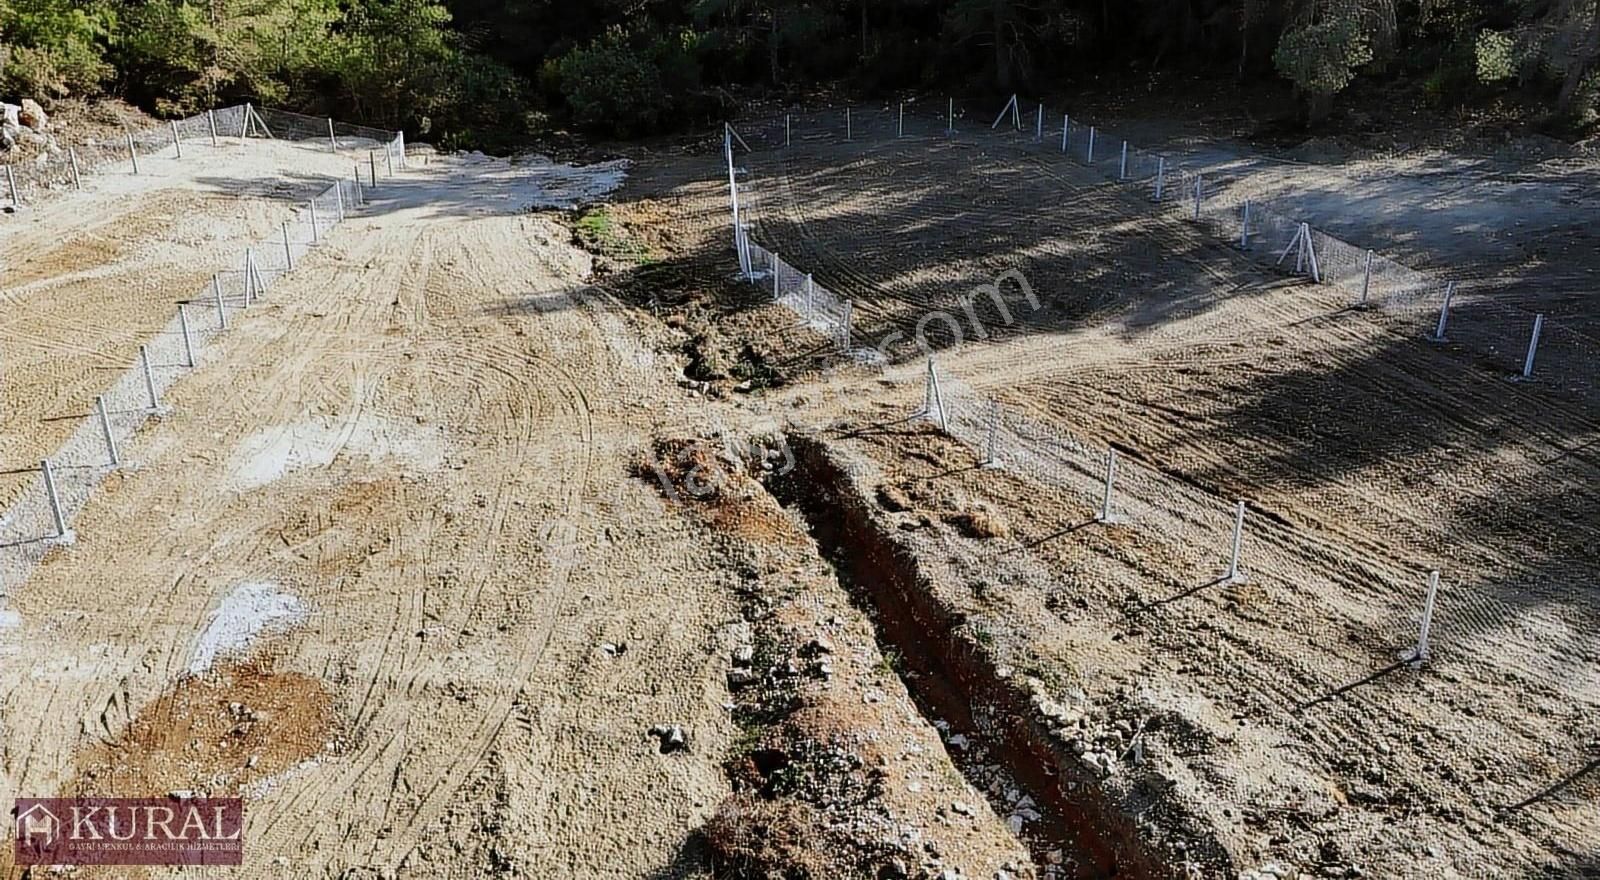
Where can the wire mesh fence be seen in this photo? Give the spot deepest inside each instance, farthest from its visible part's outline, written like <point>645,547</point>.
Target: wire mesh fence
<point>65,170</point>
<point>57,489</point>
<point>1199,529</point>
<point>1268,233</point>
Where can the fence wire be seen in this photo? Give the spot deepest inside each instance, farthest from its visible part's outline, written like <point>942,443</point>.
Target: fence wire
<point>1196,525</point>
<point>30,527</point>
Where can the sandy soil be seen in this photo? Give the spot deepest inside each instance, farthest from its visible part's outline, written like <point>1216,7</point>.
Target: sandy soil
<point>1367,455</point>
<point>388,568</point>
<point>87,277</point>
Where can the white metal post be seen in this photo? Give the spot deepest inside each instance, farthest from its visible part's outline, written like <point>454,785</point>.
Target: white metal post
<point>188,339</point>
<point>1420,654</point>
<point>333,143</point>
<point>991,452</point>
<point>936,396</point>
<point>1122,166</point>
<point>1244,227</point>
<point>133,155</point>
<point>1161,175</point>
<point>1444,313</point>
<point>1533,347</point>
<point>847,123</point>
<point>388,157</point>
<point>177,142</point>
<point>244,124</point>
<point>372,167</point>
<point>401,137</point>
<point>1107,514</point>
<point>1311,252</point>
<point>356,187</point>
<point>788,129</point>
<point>77,178</point>
<point>950,118</point>
<point>338,201</point>
<point>1038,125</point>
<point>1066,123</point>
<point>1089,156</point>
<point>1234,575</point>
<point>313,204</point>
<point>11,181</point>
<point>900,132</point>
<point>55,498</point>
<point>776,262</point>
<point>149,378</point>
<point>211,119</point>
<point>811,295</point>
<point>288,253</point>
<point>1197,190</point>
<point>222,313</point>
<point>105,431</point>
<point>250,292</point>
<point>1366,277</point>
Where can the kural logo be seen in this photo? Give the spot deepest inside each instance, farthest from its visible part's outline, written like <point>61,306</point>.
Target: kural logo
<point>37,827</point>
<point>129,831</point>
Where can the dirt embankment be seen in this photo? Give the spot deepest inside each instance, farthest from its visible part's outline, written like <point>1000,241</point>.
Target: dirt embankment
<point>1096,812</point>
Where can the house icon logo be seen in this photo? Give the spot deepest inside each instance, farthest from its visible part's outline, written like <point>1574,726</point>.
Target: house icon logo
<point>37,827</point>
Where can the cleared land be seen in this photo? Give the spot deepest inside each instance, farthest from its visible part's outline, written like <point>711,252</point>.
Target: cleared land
<point>392,567</point>
<point>1368,457</point>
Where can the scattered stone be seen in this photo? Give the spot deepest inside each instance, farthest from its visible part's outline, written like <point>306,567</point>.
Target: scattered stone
<point>744,655</point>
<point>30,114</point>
<point>671,737</point>
<point>895,869</point>
<point>962,808</point>
<point>741,676</point>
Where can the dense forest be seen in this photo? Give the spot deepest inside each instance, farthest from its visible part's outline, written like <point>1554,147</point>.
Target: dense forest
<point>478,71</point>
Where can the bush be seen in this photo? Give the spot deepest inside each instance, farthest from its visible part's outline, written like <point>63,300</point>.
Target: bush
<point>1496,57</point>
<point>55,47</point>
<point>628,84</point>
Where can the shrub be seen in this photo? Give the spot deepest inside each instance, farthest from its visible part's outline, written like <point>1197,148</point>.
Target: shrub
<point>55,47</point>
<point>609,88</point>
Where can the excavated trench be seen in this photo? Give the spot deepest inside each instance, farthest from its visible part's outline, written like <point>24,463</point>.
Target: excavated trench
<point>951,677</point>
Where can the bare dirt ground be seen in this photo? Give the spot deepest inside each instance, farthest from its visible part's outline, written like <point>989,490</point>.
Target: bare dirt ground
<point>1368,457</point>
<point>87,277</point>
<point>389,567</point>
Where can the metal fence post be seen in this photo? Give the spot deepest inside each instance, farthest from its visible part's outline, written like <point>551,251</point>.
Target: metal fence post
<point>1122,166</point>
<point>950,118</point>
<point>222,313</point>
<point>777,261</point>
<point>1107,514</point>
<point>1244,228</point>
<point>149,378</point>
<point>847,123</point>
<point>1089,156</point>
<point>11,181</point>
<point>991,451</point>
<point>1233,574</point>
<point>1444,313</point>
<point>313,204</point>
<point>338,201</point>
<point>188,339</point>
<point>788,127</point>
<point>938,396</point>
<point>333,142</point>
<point>1421,653</point>
<point>372,167</point>
<point>1366,276</point>
<point>55,498</point>
<point>105,430</point>
<point>77,179</point>
<point>133,155</point>
<point>356,189</point>
<point>1533,347</point>
<point>1066,122</point>
<point>1038,125</point>
<point>288,253</point>
<point>388,156</point>
<point>1198,186</point>
<point>1161,175</point>
<point>177,142</point>
<point>211,119</point>
<point>900,132</point>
